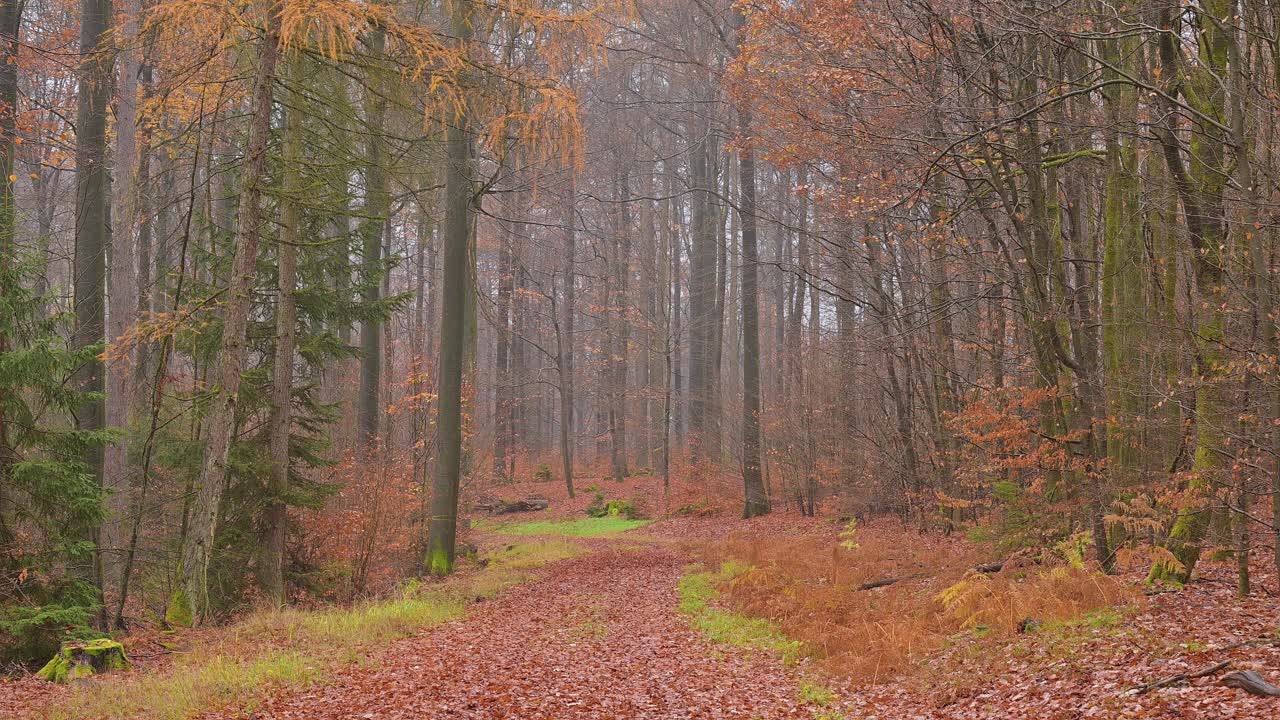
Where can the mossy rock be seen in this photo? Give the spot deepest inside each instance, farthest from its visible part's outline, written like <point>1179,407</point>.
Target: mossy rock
<point>77,660</point>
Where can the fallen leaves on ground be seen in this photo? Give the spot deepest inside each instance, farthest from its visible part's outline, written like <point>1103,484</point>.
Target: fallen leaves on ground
<point>597,638</point>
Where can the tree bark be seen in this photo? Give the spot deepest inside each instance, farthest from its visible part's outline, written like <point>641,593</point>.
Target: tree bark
<point>443,530</point>
<point>280,422</point>
<point>376,209</point>
<point>563,319</point>
<point>503,446</point>
<point>622,337</point>
<point>190,601</point>
<point>756,501</point>
<point>93,190</point>
<point>10,32</point>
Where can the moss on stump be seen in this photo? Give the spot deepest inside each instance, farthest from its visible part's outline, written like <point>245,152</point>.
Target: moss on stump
<point>78,660</point>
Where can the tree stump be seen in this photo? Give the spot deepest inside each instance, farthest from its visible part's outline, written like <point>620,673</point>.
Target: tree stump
<point>76,660</point>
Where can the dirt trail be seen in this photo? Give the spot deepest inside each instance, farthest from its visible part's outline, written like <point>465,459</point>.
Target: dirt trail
<point>596,637</point>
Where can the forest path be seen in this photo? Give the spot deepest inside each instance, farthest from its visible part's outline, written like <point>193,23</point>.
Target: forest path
<point>597,636</point>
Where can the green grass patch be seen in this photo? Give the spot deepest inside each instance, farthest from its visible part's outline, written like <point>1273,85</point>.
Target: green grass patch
<point>1101,619</point>
<point>226,673</point>
<point>580,527</point>
<point>698,591</point>
<point>815,694</point>
<point>214,682</point>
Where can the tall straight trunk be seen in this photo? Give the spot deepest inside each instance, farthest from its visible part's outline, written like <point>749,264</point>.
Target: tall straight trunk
<point>723,280</point>
<point>442,534</point>
<point>10,29</point>
<point>1201,185</point>
<point>376,209</point>
<point>649,366</point>
<point>756,501</point>
<point>190,601</point>
<point>93,190</point>
<point>387,383</point>
<point>417,349</point>
<point>1259,277</point>
<point>794,352</point>
<point>123,281</point>
<point>622,338</point>
<point>784,288</point>
<point>280,422</point>
<point>563,319</point>
<point>502,442</point>
<point>522,434</point>
<point>702,278</point>
<point>669,310</point>
<point>671,239</point>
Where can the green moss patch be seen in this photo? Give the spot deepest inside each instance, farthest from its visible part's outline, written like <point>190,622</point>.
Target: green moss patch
<point>697,593</point>
<point>77,660</point>
<point>581,527</point>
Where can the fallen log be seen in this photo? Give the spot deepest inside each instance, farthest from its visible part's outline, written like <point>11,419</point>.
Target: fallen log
<point>985,568</point>
<point>1250,682</point>
<point>885,582</point>
<point>498,506</point>
<point>532,503</point>
<point>1180,677</point>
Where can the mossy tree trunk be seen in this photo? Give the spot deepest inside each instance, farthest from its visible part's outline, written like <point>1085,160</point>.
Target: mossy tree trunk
<point>10,27</point>
<point>1201,183</point>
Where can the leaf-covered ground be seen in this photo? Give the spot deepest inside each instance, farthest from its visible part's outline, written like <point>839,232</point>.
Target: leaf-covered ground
<point>602,635</point>
<point>597,637</point>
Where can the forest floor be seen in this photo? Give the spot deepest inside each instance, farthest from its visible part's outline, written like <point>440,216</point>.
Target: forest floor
<point>615,626</point>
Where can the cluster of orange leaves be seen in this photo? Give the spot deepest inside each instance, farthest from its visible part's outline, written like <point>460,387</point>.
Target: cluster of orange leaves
<point>365,537</point>
<point>811,588</point>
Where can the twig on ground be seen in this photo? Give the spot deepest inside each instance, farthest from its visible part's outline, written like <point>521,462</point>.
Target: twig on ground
<point>1180,677</point>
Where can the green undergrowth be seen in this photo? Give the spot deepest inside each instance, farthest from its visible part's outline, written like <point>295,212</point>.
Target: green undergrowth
<point>580,527</point>
<point>1064,639</point>
<point>295,648</point>
<point>698,592</point>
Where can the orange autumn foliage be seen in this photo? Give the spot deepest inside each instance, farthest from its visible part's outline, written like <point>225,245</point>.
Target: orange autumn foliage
<point>365,537</point>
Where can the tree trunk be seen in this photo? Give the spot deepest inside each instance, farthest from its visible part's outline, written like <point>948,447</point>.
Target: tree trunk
<point>93,190</point>
<point>443,530</point>
<point>702,278</point>
<point>1201,188</point>
<point>622,338</point>
<point>376,209</point>
<point>564,332</point>
<point>189,602</point>
<point>123,281</point>
<point>502,441</point>
<point>756,501</point>
<point>10,29</point>
<point>280,422</point>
